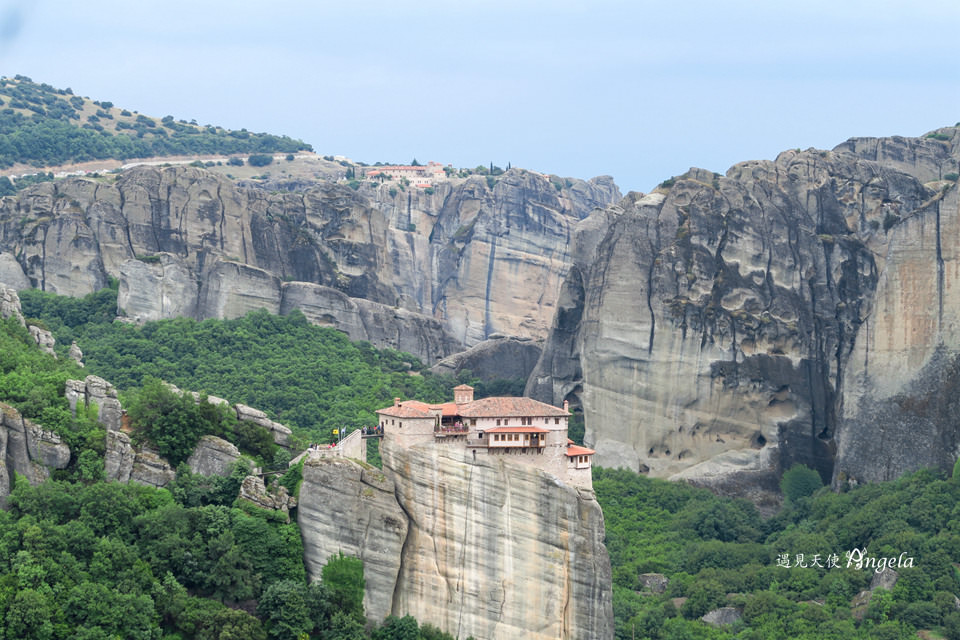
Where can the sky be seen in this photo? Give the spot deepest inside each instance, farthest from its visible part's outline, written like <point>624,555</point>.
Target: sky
<point>638,90</point>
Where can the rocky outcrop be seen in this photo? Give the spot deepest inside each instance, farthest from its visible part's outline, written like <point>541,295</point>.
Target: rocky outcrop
<point>43,338</point>
<point>10,308</point>
<point>10,304</point>
<point>97,391</point>
<point>213,456</point>
<point>654,582</point>
<point>281,433</point>
<point>498,550</point>
<point>725,327</point>
<point>346,507</point>
<point>499,357</point>
<point>440,266</point>
<point>75,354</point>
<point>124,463</point>
<point>276,498</point>
<point>722,617</point>
<point>26,448</point>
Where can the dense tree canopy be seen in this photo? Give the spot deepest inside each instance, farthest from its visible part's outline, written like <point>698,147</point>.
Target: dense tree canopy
<point>710,547</point>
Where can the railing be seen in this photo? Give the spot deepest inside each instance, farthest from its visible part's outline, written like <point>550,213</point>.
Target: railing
<point>476,442</point>
<point>450,431</point>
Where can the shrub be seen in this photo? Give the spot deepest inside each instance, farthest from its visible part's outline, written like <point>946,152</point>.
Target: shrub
<point>800,481</point>
<point>952,177</point>
<point>235,162</point>
<point>260,160</point>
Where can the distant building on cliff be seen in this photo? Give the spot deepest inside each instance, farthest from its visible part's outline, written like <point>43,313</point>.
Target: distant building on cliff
<point>531,432</point>
<point>427,172</point>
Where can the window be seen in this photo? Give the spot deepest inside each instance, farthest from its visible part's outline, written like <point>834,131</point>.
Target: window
<point>556,421</point>
<point>498,422</point>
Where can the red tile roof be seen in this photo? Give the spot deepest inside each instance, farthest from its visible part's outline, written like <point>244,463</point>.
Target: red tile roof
<point>577,450</point>
<point>404,412</point>
<point>505,407</point>
<point>516,430</point>
<point>447,409</point>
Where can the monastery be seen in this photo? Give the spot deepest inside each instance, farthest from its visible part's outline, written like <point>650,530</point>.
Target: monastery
<point>428,172</point>
<point>530,432</point>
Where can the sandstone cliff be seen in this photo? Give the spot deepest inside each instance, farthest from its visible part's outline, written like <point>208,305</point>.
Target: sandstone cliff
<point>799,310</point>
<point>475,546</point>
<point>345,507</point>
<point>426,272</point>
<point>497,550</point>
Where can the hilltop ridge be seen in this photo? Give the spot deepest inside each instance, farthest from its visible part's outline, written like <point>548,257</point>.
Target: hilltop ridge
<point>42,126</point>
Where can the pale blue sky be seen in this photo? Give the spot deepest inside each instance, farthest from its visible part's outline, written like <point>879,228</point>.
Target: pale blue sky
<point>637,90</point>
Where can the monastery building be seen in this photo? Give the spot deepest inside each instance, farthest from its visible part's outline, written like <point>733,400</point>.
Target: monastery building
<point>531,432</point>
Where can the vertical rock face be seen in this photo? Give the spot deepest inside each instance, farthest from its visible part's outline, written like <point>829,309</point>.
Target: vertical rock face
<point>499,357</point>
<point>497,550</point>
<point>28,449</point>
<point>344,507</point>
<point>185,242</point>
<point>799,310</point>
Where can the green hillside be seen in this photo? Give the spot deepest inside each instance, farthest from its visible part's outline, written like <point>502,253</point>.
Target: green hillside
<point>714,552</point>
<point>42,126</point>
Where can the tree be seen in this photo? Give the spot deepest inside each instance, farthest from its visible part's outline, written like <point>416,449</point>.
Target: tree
<point>800,481</point>
<point>260,160</point>
<point>343,576</point>
<point>286,608</point>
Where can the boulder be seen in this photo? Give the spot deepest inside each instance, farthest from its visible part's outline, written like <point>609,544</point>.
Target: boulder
<point>654,582</point>
<point>213,456</point>
<point>722,616</point>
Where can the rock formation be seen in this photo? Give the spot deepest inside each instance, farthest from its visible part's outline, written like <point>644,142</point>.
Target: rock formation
<point>498,550</point>
<point>800,310</point>
<point>10,304</point>
<point>213,456</point>
<point>26,448</point>
<point>276,498</point>
<point>345,507</point>
<point>124,463</point>
<point>425,272</point>
<point>477,546</point>
<point>499,357</point>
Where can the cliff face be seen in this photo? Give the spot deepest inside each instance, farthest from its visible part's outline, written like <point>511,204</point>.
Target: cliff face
<point>28,449</point>
<point>497,550</point>
<point>344,507</point>
<point>406,269</point>
<point>791,311</point>
<point>475,546</point>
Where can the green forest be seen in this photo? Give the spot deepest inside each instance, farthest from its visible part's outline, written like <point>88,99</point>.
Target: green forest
<point>786,574</point>
<point>82,558</point>
<point>44,126</point>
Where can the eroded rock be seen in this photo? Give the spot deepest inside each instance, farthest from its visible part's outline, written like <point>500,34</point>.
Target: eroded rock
<point>344,507</point>
<point>213,456</point>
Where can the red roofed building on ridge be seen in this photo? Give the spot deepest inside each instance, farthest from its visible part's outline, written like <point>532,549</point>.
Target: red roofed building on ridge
<point>424,173</point>
<point>530,432</point>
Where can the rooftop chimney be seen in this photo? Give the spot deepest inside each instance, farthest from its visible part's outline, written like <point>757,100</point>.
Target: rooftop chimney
<point>396,402</point>
<point>566,405</point>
